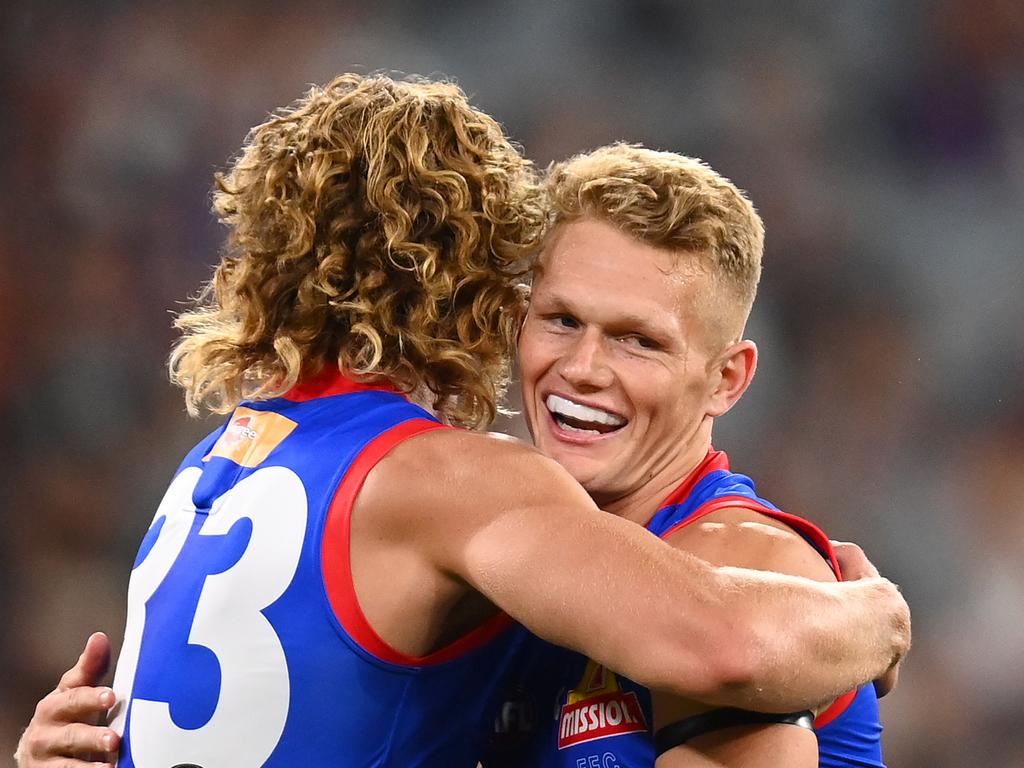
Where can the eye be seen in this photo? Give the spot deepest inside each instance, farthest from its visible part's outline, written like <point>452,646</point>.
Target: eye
<point>565,321</point>
<point>643,342</point>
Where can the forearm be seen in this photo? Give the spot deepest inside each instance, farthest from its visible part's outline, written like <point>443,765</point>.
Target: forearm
<point>540,550</point>
<point>724,636</point>
<point>809,641</point>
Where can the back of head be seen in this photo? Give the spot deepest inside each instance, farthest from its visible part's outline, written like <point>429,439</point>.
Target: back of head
<point>375,225</point>
<point>673,202</point>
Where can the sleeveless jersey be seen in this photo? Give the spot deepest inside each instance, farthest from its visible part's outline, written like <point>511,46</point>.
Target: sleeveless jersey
<point>245,645</point>
<point>563,710</point>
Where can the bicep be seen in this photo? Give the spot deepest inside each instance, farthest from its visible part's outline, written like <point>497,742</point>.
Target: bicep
<point>753,746</point>
<point>514,526</point>
<point>714,743</point>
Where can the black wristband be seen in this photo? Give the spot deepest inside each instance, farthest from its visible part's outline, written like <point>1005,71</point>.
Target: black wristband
<point>717,719</point>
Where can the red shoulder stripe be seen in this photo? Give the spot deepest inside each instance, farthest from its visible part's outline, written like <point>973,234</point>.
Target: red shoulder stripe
<point>336,561</point>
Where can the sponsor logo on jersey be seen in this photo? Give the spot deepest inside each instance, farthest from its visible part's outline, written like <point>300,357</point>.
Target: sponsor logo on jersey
<point>598,708</point>
<point>250,436</point>
<point>239,429</point>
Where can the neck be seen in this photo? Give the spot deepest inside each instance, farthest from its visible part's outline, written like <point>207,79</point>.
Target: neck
<point>640,504</point>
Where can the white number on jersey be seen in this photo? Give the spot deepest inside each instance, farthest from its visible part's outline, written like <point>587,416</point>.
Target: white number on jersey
<point>253,702</point>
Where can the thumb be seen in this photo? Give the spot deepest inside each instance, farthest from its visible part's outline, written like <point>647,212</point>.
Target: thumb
<point>853,563</point>
<point>92,665</point>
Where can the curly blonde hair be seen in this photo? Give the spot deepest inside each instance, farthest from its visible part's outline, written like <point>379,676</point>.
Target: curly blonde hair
<point>378,225</point>
<point>668,201</point>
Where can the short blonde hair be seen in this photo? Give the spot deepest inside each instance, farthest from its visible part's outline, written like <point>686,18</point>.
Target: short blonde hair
<point>377,225</point>
<point>668,201</point>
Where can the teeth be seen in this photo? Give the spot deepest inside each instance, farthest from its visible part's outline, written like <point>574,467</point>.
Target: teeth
<point>563,407</point>
<point>570,428</point>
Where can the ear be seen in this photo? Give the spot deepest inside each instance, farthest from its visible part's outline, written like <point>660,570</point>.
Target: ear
<point>732,372</point>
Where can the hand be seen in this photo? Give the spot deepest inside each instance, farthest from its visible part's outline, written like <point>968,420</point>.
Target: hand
<point>855,565</point>
<point>64,724</point>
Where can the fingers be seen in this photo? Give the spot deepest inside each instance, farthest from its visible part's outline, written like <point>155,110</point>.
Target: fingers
<point>79,738</point>
<point>60,733</point>
<point>91,666</point>
<point>24,761</point>
<point>899,626</point>
<point>853,563</point>
<point>887,682</point>
<point>51,744</point>
<point>76,705</point>
<point>903,627</point>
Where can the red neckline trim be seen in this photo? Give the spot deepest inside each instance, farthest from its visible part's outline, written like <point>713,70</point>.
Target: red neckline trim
<point>337,563</point>
<point>712,462</point>
<point>331,381</point>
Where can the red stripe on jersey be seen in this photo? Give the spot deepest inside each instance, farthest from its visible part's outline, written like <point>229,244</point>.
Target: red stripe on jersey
<point>801,526</point>
<point>336,563</point>
<point>837,708</point>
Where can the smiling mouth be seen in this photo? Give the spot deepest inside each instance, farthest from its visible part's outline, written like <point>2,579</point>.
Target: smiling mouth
<point>582,420</point>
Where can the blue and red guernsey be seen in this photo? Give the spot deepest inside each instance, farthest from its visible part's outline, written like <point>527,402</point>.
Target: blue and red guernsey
<point>565,711</point>
<point>245,644</point>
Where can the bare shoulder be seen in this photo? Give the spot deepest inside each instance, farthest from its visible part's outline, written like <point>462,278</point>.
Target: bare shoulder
<point>454,453</point>
<point>455,476</point>
<point>745,538</point>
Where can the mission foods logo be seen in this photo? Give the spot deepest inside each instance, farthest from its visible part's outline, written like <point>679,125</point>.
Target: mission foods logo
<point>598,708</point>
<point>250,436</point>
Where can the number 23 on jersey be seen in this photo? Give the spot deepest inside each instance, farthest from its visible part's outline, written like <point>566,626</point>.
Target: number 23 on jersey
<point>202,678</point>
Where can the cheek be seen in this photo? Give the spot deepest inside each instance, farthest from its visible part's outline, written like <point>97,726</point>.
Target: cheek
<point>663,401</point>
<point>535,357</point>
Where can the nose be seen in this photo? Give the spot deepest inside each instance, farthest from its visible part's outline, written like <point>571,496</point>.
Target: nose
<point>584,365</point>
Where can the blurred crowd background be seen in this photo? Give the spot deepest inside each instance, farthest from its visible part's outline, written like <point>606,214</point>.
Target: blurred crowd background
<point>882,141</point>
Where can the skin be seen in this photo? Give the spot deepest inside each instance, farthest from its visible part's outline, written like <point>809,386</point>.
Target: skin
<point>611,325</point>
<point>634,330</point>
<point>458,548</point>
<point>430,561</point>
<point>742,537</point>
<point>63,730</point>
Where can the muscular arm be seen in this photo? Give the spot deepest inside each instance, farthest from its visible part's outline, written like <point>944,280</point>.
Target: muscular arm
<point>515,527</point>
<point>740,537</point>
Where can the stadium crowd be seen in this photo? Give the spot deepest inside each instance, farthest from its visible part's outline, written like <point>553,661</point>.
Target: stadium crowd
<point>885,147</point>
